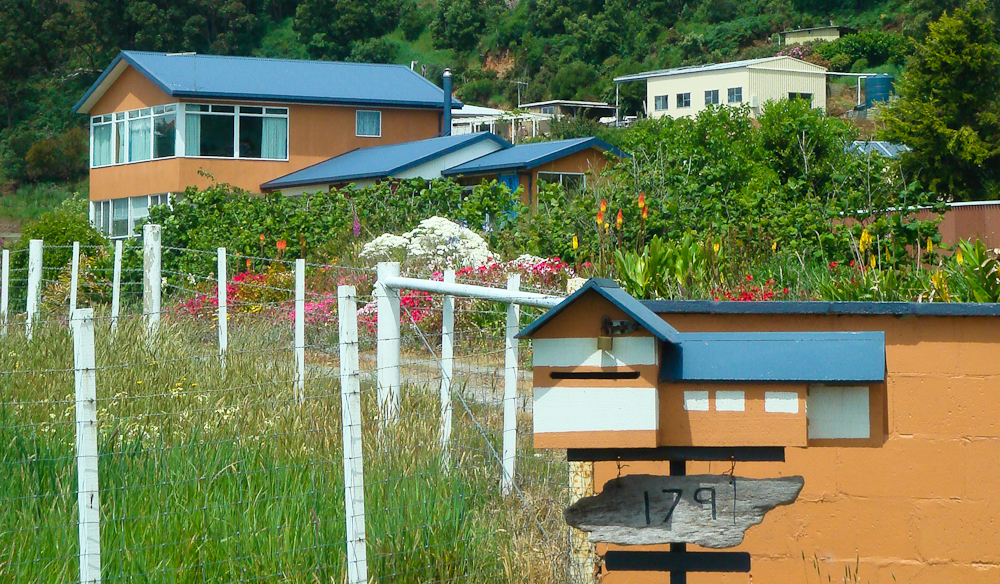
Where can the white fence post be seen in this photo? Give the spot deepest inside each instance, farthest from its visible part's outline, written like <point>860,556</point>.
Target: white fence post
<point>300,330</point>
<point>387,348</point>
<point>350,407</point>
<point>223,315</point>
<point>34,283</point>
<point>447,367</point>
<point>5,289</point>
<point>152,278</point>
<point>510,390</point>
<point>116,287</point>
<point>88,494</point>
<point>74,278</point>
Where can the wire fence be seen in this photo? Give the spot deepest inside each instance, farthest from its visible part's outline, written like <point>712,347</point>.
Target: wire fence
<point>221,431</point>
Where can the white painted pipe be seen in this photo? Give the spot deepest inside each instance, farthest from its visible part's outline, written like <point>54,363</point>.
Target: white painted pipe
<point>116,287</point>
<point>34,284</point>
<point>472,291</point>
<point>74,277</point>
<point>510,390</point>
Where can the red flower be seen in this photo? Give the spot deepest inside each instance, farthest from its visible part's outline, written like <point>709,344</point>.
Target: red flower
<point>833,264</point>
<point>851,264</point>
<point>281,245</point>
<point>262,238</point>
<point>749,278</point>
<point>785,290</point>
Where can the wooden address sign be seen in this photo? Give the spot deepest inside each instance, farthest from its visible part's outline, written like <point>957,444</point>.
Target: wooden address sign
<point>709,510</point>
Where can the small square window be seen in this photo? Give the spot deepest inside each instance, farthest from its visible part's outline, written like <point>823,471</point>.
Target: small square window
<point>683,100</point>
<point>735,95</point>
<point>368,123</point>
<point>661,102</point>
<point>712,97</point>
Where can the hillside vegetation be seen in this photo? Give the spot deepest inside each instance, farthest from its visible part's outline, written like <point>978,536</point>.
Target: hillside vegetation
<point>51,51</point>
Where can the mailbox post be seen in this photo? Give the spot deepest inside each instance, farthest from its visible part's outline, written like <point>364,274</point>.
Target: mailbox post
<point>615,382</point>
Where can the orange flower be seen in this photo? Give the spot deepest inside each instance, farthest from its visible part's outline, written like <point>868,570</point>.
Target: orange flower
<point>600,217</point>
<point>248,263</point>
<point>645,212</point>
<point>281,245</point>
<point>604,205</point>
<point>620,219</point>
<point>642,200</point>
<point>262,238</point>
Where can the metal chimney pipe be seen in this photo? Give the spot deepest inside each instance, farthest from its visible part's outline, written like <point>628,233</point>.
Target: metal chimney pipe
<point>446,117</point>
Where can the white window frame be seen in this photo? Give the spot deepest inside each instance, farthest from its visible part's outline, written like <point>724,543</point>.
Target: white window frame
<point>357,116</point>
<point>562,176</point>
<point>712,97</point>
<point>683,100</point>
<point>102,213</point>
<point>737,92</point>
<point>661,99</point>
<point>267,111</point>
<point>126,118</point>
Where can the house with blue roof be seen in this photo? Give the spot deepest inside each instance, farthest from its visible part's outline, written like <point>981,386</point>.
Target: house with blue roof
<point>468,159</point>
<point>157,119</point>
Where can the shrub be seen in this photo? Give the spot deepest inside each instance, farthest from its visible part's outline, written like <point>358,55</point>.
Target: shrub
<point>60,157</point>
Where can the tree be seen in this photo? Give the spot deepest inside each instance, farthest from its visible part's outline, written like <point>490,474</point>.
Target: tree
<point>329,28</point>
<point>948,109</point>
<point>458,24</point>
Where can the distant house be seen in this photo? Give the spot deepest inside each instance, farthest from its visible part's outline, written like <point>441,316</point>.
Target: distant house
<point>877,147</point>
<point>467,158</point>
<point>158,119</point>
<point>819,33</point>
<point>685,91</point>
<point>559,108</point>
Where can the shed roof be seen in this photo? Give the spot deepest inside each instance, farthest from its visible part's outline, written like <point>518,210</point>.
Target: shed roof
<point>840,29</point>
<point>525,156</point>
<point>567,102</point>
<point>379,161</point>
<point>712,67</point>
<point>886,149</point>
<point>190,75</point>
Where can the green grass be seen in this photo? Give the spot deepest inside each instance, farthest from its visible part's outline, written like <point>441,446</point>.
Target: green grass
<point>30,201</point>
<point>212,477</point>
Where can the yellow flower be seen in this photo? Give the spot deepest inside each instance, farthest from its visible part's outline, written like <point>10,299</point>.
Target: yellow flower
<point>138,382</point>
<point>576,243</point>
<point>716,247</point>
<point>774,246</point>
<point>958,257</point>
<point>866,241</point>
<point>930,245</point>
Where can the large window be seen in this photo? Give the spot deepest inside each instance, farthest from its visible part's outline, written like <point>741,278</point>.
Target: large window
<point>133,136</point>
<point>660,102</point>
<point>369,123</point>
<point>735,95</point>
<point>804,96</point>
<point>683,100</point>
<point>712,97</point>
<point>571,181</point>
<point>118,217</point>
<point>226,131</point>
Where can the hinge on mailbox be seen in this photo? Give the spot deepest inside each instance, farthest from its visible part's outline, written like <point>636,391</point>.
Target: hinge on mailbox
<point>612,328</point>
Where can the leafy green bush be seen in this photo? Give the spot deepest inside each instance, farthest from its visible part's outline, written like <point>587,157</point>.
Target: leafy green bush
<point>60,157</point>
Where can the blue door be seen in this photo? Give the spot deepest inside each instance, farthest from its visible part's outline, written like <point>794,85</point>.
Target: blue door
<point>509,180</point>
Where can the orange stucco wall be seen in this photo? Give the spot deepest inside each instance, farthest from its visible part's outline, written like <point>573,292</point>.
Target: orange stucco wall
<point>917,503</point>
<point>315,133</point>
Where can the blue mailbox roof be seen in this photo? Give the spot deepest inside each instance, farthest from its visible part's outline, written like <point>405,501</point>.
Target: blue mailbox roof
<point>379,161</point>
<point>525,156</point>
<point>273,80</point>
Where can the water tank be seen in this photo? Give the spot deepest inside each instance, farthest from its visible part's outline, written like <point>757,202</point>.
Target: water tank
<point>878,89</point>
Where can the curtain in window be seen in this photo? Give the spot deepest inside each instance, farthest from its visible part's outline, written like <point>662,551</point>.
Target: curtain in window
<point>120,153</point>
<point>369,123</point>
<point>192,135</point>
<point>119,217</point>
<point>275,141</point>
<point>102,145</point>
<point>140,139</point>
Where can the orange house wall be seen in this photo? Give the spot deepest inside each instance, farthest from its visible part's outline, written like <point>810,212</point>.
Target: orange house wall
<point>917,504</point>
<point>315,133</point>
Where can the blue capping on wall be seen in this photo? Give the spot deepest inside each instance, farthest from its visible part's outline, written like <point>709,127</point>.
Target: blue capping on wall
<point>814,357</point>
<point>815,307</point>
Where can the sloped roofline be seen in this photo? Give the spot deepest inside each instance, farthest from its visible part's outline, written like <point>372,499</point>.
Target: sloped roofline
<point>126,58</point>
<point>577,146</point>
<point>749,63</point>
<point>478,137</point>
<point>612,293</point>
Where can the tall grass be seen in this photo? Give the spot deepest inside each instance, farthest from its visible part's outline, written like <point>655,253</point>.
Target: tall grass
<point>31,200</point>
<point>220,476</point>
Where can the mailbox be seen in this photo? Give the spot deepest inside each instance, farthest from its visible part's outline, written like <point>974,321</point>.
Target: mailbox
<point>610,373</point>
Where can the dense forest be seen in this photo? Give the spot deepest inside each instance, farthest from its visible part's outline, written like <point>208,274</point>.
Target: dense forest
<point>52,50</point>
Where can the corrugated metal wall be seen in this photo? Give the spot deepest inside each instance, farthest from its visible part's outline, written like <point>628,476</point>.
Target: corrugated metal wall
<point>970,221</point>
<point>775,85</point>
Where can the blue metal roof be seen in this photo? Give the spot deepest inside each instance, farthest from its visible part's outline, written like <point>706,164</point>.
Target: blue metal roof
<point>886,149</point>
<point>525,156</point>
<point>274,80</point>
<point>626,302</point>
<point>379,161</point>
<point>811,357</point>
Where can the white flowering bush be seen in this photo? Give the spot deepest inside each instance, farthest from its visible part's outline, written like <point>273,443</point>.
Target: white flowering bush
<point>436,240</point>
<point>385,247</point>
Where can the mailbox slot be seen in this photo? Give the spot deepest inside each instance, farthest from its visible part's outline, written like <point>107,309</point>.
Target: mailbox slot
<point>604,375</point>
